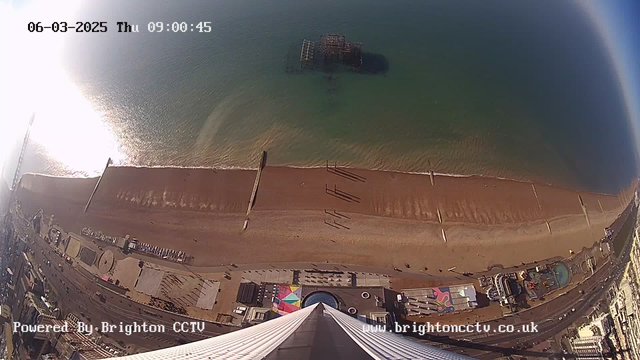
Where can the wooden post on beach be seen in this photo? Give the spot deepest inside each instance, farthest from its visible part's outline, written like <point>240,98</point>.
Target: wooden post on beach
<point>584,210</point>
<point>444,236</point>
<point>548,226</point>
<point>433,183</point>
<point>535,193</point>
<point>252,199</point>
<point>97,184</point>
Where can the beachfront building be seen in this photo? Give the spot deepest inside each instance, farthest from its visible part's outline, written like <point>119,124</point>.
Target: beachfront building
<point>599,326</point>
<point>266,294</point>
<point>317,331</point>
<point>258,303</point>
<point>5,313</point>
<point>439,300</point>
<point>625,306</point>
<point>507,288</point>
<point>593,347</point>
<point>35,311</point>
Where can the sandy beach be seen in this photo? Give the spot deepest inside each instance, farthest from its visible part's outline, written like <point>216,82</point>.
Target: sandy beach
<point>347,216</point>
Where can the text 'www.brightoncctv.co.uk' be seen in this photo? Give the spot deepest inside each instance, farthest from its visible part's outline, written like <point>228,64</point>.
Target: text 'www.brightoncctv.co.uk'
<point>437,328</point>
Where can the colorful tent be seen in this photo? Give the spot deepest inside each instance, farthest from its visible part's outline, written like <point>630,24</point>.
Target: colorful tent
<point>288,299</point>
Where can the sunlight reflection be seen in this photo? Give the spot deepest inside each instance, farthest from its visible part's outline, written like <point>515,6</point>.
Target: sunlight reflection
<point>67,126</point>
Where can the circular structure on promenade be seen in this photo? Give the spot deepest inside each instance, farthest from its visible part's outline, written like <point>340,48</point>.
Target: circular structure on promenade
<point>562,274</point>
<point>105,263</point>
<point>324,297</point>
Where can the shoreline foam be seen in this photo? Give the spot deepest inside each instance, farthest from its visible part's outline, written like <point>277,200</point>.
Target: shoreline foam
<point>240,168</point>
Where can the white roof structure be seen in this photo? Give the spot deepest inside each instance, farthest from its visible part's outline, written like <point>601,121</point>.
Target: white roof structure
<point>208,294</point>
<point>149,281</point>
<point>465,293</point>
<point>315,332</point>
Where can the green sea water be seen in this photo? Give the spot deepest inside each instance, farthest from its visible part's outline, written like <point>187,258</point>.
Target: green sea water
<point>499,88</point>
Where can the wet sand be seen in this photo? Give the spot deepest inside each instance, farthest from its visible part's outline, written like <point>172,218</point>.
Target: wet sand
<point>381,218</point>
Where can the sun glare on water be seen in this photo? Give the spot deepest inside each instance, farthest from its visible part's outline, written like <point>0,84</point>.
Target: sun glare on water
<point>67,128</point>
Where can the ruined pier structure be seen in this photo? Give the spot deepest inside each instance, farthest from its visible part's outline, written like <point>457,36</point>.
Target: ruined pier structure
<point>331,49</point>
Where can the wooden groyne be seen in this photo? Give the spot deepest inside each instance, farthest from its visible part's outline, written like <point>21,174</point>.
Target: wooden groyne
<point>97,184</point>
<point>263,160</point>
